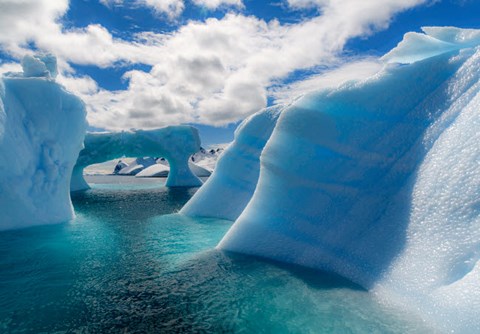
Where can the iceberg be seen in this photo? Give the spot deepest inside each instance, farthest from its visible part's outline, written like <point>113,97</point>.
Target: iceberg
<point>136,166</point>
<point>207,158</point>
<point>161,170</point>
<point>42,127</point>
<point>157,170</point>
<point>377,180</point>
<point>175,143</point>
<point>226,193</point>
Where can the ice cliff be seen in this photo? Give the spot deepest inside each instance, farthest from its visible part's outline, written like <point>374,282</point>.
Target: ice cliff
<point>174,143</point>
<point>42,127</point>
<point>378,181</point>
<point>228,190</point>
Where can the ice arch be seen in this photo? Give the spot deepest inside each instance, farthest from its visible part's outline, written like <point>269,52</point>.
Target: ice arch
<point>174,143</point>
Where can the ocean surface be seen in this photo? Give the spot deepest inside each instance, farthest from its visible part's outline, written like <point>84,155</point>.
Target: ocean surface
<point>129,264</point>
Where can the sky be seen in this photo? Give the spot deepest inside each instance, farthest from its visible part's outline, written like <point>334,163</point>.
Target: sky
<point>210,63</point>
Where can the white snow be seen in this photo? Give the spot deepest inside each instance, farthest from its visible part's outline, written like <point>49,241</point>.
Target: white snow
<point>157,170</point>
<point>42,127</point>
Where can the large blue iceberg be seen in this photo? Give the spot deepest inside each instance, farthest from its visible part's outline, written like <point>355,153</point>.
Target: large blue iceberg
<point>379,181</point>
<point>42,127</point>
<point>174,143</point>
<point>228,191</point>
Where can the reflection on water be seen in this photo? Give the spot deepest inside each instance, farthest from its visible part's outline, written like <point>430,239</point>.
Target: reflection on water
<point>127,265</point>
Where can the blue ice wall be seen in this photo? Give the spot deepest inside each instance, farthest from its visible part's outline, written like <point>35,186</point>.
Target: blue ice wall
<point>42,127</point>
<point>230,188</point>
<point>379,181</point>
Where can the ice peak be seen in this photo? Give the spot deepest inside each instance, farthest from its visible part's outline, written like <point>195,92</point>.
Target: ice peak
<point>41,65</point>
<point>432,42</point>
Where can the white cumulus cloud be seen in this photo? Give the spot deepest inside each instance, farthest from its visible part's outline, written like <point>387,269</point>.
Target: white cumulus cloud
<point>213,72</point>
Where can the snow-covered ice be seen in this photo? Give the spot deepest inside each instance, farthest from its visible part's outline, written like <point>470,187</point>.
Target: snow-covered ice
<point>378,181</point>
<point>175,143</point>
<point>136,166</point>
<point>157,170</point>
<point>42,127</point>
<point>207,158</point>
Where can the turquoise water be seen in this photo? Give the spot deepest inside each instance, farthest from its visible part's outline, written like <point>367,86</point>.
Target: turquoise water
<point>129,264</point>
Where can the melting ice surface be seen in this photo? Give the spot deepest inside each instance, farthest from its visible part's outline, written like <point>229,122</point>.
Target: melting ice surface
<point>123,266</point>
<point>379,181</point>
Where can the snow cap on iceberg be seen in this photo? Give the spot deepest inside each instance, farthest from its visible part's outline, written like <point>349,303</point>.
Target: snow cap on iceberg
<point>41,65</point>
<point>433,42</point>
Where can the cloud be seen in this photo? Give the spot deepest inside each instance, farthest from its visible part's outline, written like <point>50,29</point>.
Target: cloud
<point>214,72</point>
<point>214,4</point>
<point>173,8</point>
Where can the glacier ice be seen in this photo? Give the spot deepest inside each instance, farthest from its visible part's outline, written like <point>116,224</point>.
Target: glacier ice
<point>175,143</point>
<point>228,190</point>
<point>378,181</point>
<point>42,127</point>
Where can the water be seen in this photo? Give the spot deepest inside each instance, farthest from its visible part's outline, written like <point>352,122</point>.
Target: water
<point>129,264</point>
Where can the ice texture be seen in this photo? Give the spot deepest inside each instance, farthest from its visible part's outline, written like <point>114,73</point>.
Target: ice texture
<point>379,181</point>
<point>42,127</point>
<point>228,190</point>
<point>175,143</point>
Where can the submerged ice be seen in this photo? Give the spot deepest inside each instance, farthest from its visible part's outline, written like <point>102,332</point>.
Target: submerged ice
<point>42,127</point>
<point>378,181</point>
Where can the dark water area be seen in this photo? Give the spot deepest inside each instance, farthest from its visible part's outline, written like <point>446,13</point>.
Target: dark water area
<point>129,264</point>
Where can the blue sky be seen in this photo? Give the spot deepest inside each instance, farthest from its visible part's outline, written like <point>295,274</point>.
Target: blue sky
<point>210,63</point>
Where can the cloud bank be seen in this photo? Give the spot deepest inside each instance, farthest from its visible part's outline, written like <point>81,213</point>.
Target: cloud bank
<point>214,72</point>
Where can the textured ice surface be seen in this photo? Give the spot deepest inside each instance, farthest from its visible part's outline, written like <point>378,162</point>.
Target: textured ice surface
<point>42,127</point>
<point>378,181</point>
<point>175,143</point>
<point>228,190</point>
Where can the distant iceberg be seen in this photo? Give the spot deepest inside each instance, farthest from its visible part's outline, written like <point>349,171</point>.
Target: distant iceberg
<point>42,127</point>
<point>175,143</point>
<point>157,170</point>
<point>377,180</point>
<point>161,170</point>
